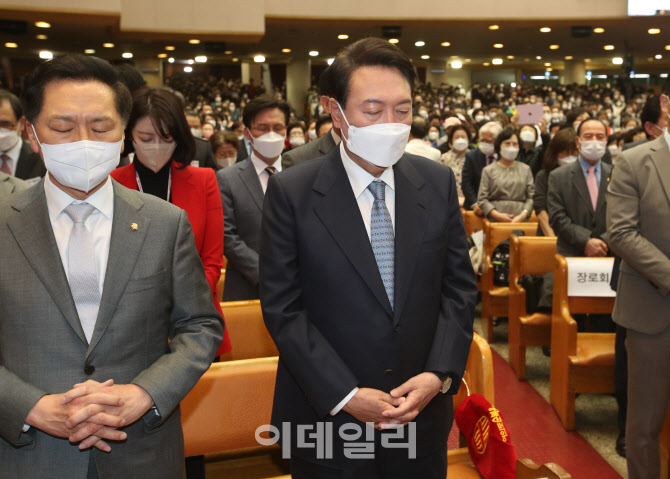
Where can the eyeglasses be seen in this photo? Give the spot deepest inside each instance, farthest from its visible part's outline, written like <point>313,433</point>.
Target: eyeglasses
<point>263,129</point>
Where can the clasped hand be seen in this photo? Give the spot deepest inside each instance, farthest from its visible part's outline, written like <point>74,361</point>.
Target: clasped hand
<point>91,412</point>
<point>397,408</point>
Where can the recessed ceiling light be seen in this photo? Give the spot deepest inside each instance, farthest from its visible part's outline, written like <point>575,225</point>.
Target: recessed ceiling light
<point>11,45</point>
<point>162,55</point>
<point>445,44</point>
<point>654,31</point>
<point>538,57</point>
<point>127,55</point>
<point>526,59</point>
<point>393,40</point>
<point>510,57</point>
<point>194,41</point>
<point>587,60</point>
<point>258,59</point>
<point>497,61</point>
<point>456,65</point>
<point>550,69</point>
<point>89,51</point>
<point>42,24</point>
<point>46,55</point>
<point>420,43</point>
<point>342,36</point>
<point>609,47</point>
<point>554,47</point>
<point>658,57</point>
<point>108,45</point>
<point>228,52</point>
<point>169,48</point>
<point>598,30</point>
<point>285,50</point>
<point>498,45</point>
<point>617,60</point>
<point>667,47</point>
<point>41,37</point>
<point>494,27</point>
<point>171,60</point>
<point>468,60</point>
<point>188,69</point>
<point>425,57</point>
<point>486,64</point>
<point>569,57</point>
<point>547,64</point>
<point>545,29</point>
<point>201,59</point>
<point>313,53</point>
<point>236,59</point>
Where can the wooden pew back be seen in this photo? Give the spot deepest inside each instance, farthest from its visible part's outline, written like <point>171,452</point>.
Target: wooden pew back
<point>248,334</point>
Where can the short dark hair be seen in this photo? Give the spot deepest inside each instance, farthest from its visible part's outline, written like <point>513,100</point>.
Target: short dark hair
<point>505,135</point>
<point>77,68</point>
<point>321,120</point>
<point>295,124</point>
<point>130,76</point>
<point>325,86</point>
<point>579,127</point>
<point>367,52</point>
<point>14,102</point>
<point>220,137</point>
<point>166,114</point>
<point>454,128</point>
<point>651,112</point>
<point>264,102</point>
<point>419,128</point>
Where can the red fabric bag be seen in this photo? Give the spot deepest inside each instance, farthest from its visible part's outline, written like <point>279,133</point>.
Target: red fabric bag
<point>489,443</point>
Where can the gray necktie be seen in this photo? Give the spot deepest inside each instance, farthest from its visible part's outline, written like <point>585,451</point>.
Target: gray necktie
<point>81,268</point>
<point>382,237</point>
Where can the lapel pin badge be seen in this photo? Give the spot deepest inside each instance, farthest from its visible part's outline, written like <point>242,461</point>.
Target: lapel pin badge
<point>133,226</point>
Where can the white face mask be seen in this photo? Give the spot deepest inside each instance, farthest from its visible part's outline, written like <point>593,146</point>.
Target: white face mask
<point>593,150</point>
<point>81,165</point>
<point>527,136</point>
<point>154,155</point>
<point>296,141</point>
<point>311,134</point>
<point>460,144</point>
<point>614,150</point>
<point>8,139</point>
<point>566,160</point>
<point>423,114</point>
<point>486,148</point>
<point>509,152</point>
<point>269,145</point>
<point>433,135</point>
<point>196,132</point>
<point>225,162</point>
<point>381,144</point>
<point>479,118</point>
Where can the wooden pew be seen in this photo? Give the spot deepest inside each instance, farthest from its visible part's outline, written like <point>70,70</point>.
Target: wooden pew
<point>580,362</point>
<point>495,298</point>
<point>532,255</point>
<point>248,334</point>
<point>222,280</point>
<point>472,222</point>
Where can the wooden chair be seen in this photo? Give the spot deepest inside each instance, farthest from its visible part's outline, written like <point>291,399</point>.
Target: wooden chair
<point>248,334</point>
<point>527,255</point>
<point>494,298</point>
<point>472,222</point>
<point>580,362</point>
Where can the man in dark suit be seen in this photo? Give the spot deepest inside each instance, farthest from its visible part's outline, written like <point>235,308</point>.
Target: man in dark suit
<point>242,188</point>
<point>366,284</point>
<point>16,157</point>
<point>475,161</point>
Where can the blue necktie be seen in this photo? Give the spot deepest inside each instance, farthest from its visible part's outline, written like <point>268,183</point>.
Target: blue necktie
<point>382,237</point>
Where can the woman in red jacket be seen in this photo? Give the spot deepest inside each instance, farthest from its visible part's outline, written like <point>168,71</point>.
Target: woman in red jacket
<point>162,147</point>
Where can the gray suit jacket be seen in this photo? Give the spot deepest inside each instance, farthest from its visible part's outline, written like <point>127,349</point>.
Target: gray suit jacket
<point>154,291</point>
<point>638,220</point>
<point>10,184</point>
<point>309,151</point>
<point>242,198</point>
<point>570,210</point>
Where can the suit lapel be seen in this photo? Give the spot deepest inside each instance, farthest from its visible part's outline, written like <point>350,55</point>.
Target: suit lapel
<point>32,231</point>
<point>605,176</point>
<point>339,212</point>
<point>252,183</point>
<point>124,249</point>
<point>579,182</point>
<point>659,156</point>
<point>410,226</point>
<point>6,186</point>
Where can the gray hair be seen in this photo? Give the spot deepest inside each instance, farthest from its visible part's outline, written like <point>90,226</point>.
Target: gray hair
<point>492,127</point>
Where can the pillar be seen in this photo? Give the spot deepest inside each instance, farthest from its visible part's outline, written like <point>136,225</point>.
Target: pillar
<point>298,79</point>
<point>152,71</point>
<point>575,72</point>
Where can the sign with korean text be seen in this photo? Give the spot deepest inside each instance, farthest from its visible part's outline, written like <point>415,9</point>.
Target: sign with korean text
<point>590,277</point>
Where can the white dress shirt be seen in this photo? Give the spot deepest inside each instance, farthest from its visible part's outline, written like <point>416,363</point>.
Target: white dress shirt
<point>419,147</point>
<point>260,166</point>
<point>14,152</point>
<point>99,223</point>
<point>360,180</point>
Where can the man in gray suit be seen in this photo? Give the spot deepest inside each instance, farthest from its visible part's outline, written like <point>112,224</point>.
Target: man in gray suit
<point>107,318</point>
<point>638,220</point>
<point>9,184</point>
<point>242,188</point>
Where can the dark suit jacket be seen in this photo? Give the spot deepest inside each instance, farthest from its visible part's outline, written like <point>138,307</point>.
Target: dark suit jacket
<point>309,151</point>
<point>30,164</point>
<point>204,154</point>
<point>242,198</point>
<point>475,161</point>
<point>242,152</point>
<point>325,305</point>
<point>570,210</point>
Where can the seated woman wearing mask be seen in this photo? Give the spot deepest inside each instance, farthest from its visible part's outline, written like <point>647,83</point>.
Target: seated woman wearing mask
<point>506,189</point>
<point>560,151</point>
<point>225,146</point>
<point>458,138</point>
<point>164,147</point>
